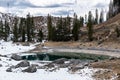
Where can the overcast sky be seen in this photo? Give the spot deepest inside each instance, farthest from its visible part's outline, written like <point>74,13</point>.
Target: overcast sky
<point>53,7</point>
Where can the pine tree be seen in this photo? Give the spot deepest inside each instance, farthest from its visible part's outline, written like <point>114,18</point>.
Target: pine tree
<point>15,30</point>
<point>28,28</point>
<point>7,30</point>
<point>1,29</point>
<point>40,35</point>
<point>54,36</point>
<point>111,10</point>
<point>90,27</point>
<point>22,28</point>
<point>116,6</point>
<point>59,31</point>
<point>75,30</point>
<point>96,16</point>
<point>68,23</point>
<point>62,31</point>
<point>32,28</point>
<point>49,26</point>
<point>101,20</point>
<point>81,22</point>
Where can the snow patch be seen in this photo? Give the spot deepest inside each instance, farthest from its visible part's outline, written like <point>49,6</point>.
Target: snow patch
<point>10,47</point>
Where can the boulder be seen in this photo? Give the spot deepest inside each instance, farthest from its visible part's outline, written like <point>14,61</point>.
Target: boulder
<point>60,61</point>
<point>75,68</point>
<point>64,65</point>
<point>23,64</point>
<point>112,58</point>
<point>16,57</point>
<point>30,69</point>
<point>75,62</point>
<point>50,65</point>
<point>3,55</point>
<point>0,65</point>
<point>9,69</point>
<point>26,44</point>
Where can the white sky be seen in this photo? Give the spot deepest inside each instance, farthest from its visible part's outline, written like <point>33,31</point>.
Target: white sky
<point>53,7</point>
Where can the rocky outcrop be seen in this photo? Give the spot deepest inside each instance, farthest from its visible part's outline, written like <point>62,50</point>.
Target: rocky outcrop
<point>30,69</point>
<point>16,57</point>
<point>0,65</point>
<point>60,61</point>
<point>9,69</point>
<point>23,64</point>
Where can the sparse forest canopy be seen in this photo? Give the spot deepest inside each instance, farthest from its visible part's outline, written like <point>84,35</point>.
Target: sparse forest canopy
<point>58,29</point>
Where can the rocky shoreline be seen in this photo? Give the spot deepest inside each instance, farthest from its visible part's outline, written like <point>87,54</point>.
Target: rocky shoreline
<point>95,70</point>
<point>101,70</point>
<point>97,51</point>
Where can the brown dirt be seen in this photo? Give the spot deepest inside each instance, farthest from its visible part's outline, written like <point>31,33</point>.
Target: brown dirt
<point>112,66</point>
<point>93,44</point>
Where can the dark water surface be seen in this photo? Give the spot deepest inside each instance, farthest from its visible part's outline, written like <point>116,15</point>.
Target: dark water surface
<point>58,55</point>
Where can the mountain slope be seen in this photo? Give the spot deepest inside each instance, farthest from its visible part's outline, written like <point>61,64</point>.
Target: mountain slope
<point>107,31</point>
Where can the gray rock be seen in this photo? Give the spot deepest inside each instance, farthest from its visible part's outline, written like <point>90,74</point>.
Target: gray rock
<point>112,58</point>
<point>41,67</point>
<point>9,69</point>
<point>75,68</point>
<point>50,65</point>
<point>23,64</point>
<point>30,69</point>
<point>26,44</point>
<point>75,62</point>
<point>0,65</point>
<point>60,61</point>
<point>3,55</point>
<point>64,65</point>
<point>16,57</point>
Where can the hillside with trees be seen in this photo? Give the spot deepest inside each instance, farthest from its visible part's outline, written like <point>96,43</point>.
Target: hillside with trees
<point>76,28</point>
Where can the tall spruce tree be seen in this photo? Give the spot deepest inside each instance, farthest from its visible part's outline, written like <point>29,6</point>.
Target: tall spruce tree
<point>15,30</point>
<point>101,20</point>
<point>75,30</point>
<point>49,26</point>
<point>68,23</point>
<point>96,16</point>
<point>111,10</point>
<point>30,28</point>
<point>90,27</point>
<point>116,6</point>
<point>7,30</point>
<point>40,36</point>
<point>81,22</point>
<point>22,28</point>
<point>1,29</point>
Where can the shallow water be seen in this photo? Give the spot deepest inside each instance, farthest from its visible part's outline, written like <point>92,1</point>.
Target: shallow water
<point>58,55</point>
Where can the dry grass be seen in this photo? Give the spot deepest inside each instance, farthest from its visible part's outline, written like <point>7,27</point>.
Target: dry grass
<point>71,44</point>
<point>113,67</point>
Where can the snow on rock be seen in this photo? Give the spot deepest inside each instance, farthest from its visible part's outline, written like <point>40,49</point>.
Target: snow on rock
<point>9,48</point>
<point>42,74</point>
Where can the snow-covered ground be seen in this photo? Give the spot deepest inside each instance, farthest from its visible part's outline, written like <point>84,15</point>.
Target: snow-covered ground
<point>41,74</point>
<point>9,48</point>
